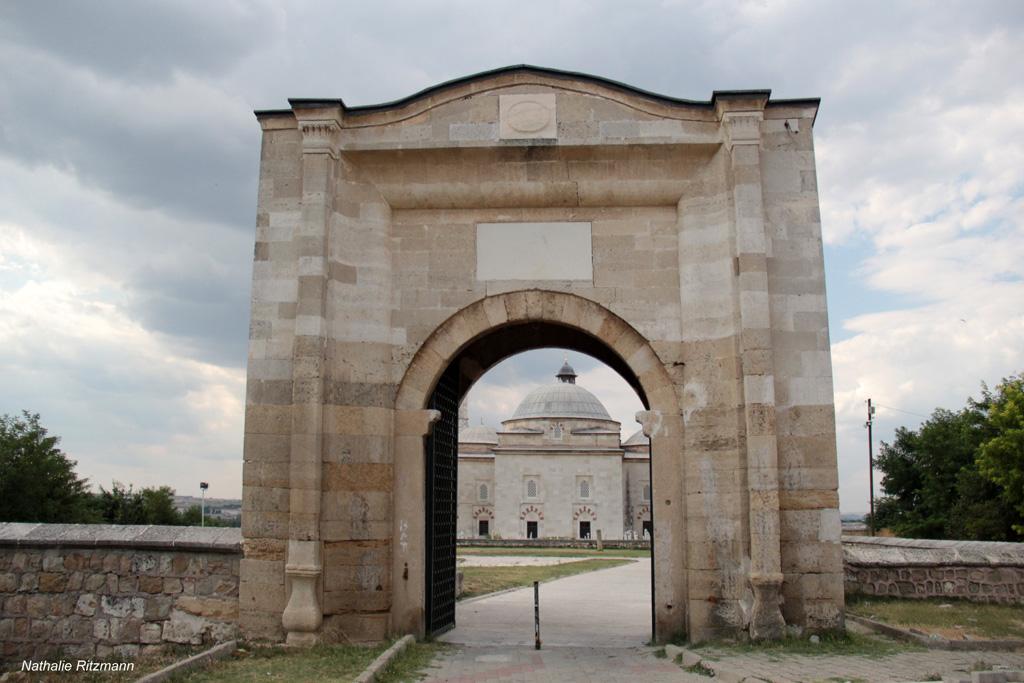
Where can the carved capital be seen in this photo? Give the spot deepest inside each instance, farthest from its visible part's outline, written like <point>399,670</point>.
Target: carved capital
<point>320,137</point>
<point>650,421</point>
<point>415,422</point>
<point>742,128</point>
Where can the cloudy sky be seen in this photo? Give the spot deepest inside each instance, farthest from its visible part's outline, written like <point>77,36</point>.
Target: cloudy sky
<point>128,164</point>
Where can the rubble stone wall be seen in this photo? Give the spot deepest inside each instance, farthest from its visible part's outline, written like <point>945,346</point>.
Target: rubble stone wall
<point>115,591</point>
<point>919,568</point>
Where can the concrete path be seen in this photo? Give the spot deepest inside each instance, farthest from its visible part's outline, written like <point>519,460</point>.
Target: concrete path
<point>607,608</point>
<point>475,664</point>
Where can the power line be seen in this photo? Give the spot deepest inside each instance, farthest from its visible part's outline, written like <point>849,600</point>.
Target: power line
<point>900,410</point>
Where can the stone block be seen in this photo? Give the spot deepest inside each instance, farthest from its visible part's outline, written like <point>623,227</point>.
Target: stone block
<point>151,584</point>
<point>158,607</point>
<point>37,606</point>
<point>127,606</point>
<point>184,628</point>
<point>50,582</point>
<point>208,607</point>
<point>355,628</point>
<point>86,604</point>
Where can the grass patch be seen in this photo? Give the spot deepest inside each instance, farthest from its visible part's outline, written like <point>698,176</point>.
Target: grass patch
<point>959,619</point>
<point>555,552</point>
<point>482,580</point>
<point>279,663</point>
<point>411,664</point>
<point>849,644</point>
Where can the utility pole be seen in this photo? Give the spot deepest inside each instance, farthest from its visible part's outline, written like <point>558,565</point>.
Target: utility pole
<point>871,467</point>
<point>202,507</point>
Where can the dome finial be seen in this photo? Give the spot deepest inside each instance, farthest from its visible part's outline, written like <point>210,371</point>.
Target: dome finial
<point>567,374</point>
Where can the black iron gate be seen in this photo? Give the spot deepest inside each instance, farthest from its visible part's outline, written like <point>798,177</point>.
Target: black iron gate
<point>442,505</point>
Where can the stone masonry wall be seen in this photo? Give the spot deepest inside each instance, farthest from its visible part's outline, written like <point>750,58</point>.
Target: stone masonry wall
<point>115,591</point>
<point>916,568</point>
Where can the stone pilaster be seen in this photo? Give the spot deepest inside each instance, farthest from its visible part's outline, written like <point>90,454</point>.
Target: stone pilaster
<point>742,128</point>
<point>303,614</point>
<point>667,510</point>
<point>409,534</point>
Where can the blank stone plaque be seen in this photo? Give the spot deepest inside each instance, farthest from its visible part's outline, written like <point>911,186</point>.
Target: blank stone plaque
<point>533,251</point>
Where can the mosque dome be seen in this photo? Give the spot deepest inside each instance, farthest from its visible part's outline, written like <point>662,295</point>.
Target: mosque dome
<point>564,398</point>
<point>637,439</point>
<point>481,434</point>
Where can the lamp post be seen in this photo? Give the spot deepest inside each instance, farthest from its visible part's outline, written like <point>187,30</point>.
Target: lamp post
<point>202,506</point>
<point>871,467</point>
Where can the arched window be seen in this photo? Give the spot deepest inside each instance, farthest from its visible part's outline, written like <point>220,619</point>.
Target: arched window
<point>647,491</point>
<point>484,493</point>
<point>531,488</point>
<point>584,488</point>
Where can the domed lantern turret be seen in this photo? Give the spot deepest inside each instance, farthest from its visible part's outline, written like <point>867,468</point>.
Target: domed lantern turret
<point>566,374</point>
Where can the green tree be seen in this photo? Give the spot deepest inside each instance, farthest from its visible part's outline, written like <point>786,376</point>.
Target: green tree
<point>1001,455</point>
<point>124,505</point>
<point>38,482</point>
<point>120,505</point>
<point>158,506</point>
<point>933,484</point>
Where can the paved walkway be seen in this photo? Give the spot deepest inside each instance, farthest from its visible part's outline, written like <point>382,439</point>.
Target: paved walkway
<point>603,608</point>
<point>474,664</point>
<point>593,627</point>
<point>904,666</point>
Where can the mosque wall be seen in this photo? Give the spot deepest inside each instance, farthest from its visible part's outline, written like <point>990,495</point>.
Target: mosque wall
<point>475,473</point>
<point>636,480</point>
<point>558,506</point>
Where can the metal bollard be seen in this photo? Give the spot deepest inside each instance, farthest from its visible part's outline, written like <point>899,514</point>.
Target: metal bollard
<point>536,615</point>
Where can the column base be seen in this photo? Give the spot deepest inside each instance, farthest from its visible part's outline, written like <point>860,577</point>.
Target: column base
<point>766,621</point>
<point>301,639</point>
<point>303,615</point>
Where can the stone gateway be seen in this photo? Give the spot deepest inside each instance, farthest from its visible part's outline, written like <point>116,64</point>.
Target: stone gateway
<point>403,249</point>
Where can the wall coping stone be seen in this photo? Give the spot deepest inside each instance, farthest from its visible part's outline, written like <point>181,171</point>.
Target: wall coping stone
<point>149,537</point>
<point>867,551</point>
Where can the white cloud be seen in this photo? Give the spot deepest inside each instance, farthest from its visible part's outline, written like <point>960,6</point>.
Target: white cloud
<point>126,402</point>
<point>128,155</point>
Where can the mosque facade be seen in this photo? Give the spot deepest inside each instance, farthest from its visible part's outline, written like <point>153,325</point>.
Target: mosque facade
<point>557,468</point>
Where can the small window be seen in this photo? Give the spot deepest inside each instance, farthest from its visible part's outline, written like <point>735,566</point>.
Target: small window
<point>484,528</point>
<point>584,488</point>
<point>531,529</point>
<point>584,529</point>
<point>648,529</point>
<point>531,488</point>
<point>557,432</point>
<point>647,492</point>
<point>484,493</point>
